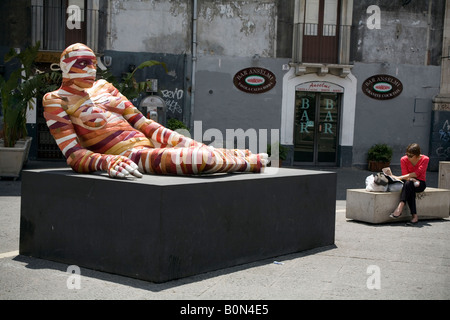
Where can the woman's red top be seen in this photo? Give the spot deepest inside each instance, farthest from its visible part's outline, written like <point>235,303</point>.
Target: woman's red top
<point>420,168</point>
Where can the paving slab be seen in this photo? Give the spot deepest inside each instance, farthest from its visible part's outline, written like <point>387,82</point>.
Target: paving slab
<point>367,262</point>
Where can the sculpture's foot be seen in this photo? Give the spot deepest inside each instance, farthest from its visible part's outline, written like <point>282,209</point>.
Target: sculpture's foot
<point>264,159</point>
<point>258,162</point>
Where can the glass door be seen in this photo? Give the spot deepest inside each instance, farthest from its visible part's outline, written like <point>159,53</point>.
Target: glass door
<point>304,127</point>
<point>316,128</point>
<point>327,137</point>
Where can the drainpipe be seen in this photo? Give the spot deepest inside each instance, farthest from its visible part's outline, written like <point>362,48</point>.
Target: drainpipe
<point>194,61</point>
<point>108,27</point>
<point>427,52</point>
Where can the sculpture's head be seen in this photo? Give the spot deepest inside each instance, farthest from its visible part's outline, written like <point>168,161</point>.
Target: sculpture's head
<point>79,64</point>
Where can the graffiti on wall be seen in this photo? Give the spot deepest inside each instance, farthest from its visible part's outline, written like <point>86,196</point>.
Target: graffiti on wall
<point>173,100</point>
<point>443,151</point>
<point>444,133</point>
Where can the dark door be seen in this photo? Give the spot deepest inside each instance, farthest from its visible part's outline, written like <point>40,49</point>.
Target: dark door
<point>316,133</point>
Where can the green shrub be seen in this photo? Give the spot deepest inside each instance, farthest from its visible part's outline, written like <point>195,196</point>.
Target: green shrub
<point>174,124</point>
<point>282,150</point>
<point>380,152</point>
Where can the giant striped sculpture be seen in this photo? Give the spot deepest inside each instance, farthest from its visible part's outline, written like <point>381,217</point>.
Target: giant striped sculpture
<point>97,128</point>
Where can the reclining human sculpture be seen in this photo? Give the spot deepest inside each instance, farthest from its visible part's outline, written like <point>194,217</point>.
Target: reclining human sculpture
<point>97,128</point>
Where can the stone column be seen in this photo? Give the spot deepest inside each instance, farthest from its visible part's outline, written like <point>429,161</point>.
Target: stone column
<point>440,114</point>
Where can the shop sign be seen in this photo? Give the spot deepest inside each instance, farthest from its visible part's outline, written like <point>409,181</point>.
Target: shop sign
<point>48,57</point>
<point>254,80</point>
<point>319,86</point>
<point>382,87</point>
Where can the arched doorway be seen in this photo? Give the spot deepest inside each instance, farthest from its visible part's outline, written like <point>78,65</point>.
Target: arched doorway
<point>317,118</point>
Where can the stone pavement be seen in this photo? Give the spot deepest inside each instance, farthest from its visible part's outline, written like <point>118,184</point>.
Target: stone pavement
<point>367,262</point>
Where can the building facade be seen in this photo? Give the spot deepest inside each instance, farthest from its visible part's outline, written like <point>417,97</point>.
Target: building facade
<point>325,78</point>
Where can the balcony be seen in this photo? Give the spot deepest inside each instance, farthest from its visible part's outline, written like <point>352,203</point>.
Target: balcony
<point>322,69</point>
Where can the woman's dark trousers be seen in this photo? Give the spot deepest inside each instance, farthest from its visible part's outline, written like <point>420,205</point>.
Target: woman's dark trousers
<point>408,194</point>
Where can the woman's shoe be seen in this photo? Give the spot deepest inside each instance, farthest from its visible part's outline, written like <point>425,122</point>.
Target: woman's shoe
<point>392,215</point>
<point>411,223</point>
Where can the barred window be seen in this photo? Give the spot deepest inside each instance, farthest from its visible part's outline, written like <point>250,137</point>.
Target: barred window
<point>58,24</point>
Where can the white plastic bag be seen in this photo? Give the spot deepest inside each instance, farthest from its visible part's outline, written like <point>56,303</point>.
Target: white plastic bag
<point>372,186</point>
<point>394,187</point>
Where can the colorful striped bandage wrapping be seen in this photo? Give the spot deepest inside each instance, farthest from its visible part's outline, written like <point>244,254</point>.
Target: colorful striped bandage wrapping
<point>91,121</point>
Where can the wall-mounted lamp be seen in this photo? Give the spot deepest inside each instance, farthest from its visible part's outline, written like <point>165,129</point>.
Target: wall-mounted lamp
<point>151,85</point>
<point>107,61</point>
<point>255,60</point>
<point>55,67</point>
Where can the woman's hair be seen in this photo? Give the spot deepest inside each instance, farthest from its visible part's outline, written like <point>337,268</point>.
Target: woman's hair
<point>413,149</point>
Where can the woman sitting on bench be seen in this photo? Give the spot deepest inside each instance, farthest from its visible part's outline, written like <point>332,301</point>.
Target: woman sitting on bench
<point>414,168</point>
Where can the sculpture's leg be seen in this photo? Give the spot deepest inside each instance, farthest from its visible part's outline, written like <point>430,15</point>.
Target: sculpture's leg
<point>196,160</point>
<point>235,152</point>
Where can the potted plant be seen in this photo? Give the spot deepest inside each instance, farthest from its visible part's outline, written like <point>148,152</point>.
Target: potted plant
<point>379,156</point>
<point>128,85</point>
<point>276,149</point>
<point>175,124</point>
<point>17,93</point>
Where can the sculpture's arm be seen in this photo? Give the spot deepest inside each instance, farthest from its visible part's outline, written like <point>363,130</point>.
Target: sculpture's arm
<point>157,133</point>
<point>78,158</point>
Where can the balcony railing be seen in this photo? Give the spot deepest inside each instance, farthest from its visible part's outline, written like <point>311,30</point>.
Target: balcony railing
<point>303,33</point>
<point>312,29</point>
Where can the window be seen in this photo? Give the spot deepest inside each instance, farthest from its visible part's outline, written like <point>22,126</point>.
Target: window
<point>311,17</point>
<point>320,32</point>
<point>75,22</point>
<point>330,18</point>
<point>58,24</point>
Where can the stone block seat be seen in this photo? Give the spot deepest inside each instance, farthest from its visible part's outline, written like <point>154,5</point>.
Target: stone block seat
<point>375,207</point>
<point>160,228</point>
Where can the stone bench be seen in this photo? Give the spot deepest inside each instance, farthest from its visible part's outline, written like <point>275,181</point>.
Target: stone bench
<point>444,175</point>
<point>375,207</point>
<point>160,228</point>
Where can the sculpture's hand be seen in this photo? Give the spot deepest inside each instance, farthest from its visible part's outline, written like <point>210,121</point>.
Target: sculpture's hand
<point>121,167</point>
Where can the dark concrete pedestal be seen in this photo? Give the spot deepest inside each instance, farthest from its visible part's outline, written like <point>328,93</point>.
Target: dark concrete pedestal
<point>160,228</point>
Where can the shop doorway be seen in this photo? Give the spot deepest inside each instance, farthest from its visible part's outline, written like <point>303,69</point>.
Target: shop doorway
<point>316,127</point>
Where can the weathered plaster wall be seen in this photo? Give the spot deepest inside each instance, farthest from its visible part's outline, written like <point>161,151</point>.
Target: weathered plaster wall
<point>405,35</point>
<point>171,85</point>
<point>150,26</point>
<point>232,32</point>
<point>220,105</point>
<point>398,121</point>
<point>237,28</point>
<point>232,28</point>
<point>233,35</point>
<point>408,45</point>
